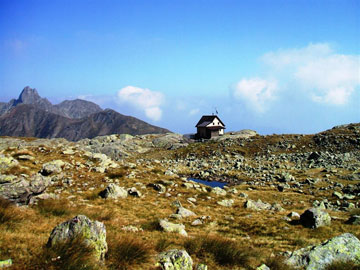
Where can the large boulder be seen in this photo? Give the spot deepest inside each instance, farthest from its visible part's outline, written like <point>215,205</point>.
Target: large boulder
<point>315,218</point>
<point>113,191</point>
<point>92,232</point>
<point>175,260</point>
<point>345,247</point>
<point>23,190</point>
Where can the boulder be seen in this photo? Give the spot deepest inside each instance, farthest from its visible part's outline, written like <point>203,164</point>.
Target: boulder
<point>113,191</point>
<point>52,167</point>
<point>92,232</point>
<point>226,203</point>
<point>345,247</point>
<point>134,192</point>
<point>218,191</point>
<point>172,227</point>
<point>315,218</point>
<point>257,205</point>
<point>175,260</point>
<point>183,212</point>
<point>158,187</point>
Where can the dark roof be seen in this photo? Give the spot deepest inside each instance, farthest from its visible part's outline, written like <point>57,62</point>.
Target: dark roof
<point>207,119</point>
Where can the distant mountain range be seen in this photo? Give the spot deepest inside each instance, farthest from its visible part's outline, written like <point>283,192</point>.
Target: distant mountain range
<point>33,116</point>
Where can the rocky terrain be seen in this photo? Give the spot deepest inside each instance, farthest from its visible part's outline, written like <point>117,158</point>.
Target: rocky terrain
<point>126,202</point>
<point>33,116</point>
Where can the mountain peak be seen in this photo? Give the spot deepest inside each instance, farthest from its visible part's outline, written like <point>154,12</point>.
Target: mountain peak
<point>29,96</point>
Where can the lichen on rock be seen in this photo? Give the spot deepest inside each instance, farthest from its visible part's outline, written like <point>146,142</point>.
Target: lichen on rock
<point>92,232</point>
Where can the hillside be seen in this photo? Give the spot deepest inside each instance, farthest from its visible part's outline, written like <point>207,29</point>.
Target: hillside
<point>261,216</point>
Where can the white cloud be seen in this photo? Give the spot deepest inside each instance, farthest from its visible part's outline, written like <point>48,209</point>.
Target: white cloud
<point>326,77</point>
<point>256,92</point>
<point>144,99</point>
<point>194,111</point>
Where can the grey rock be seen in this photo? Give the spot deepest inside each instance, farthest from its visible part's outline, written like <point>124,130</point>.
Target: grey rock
<point>345,247</point>
<point>134,192</point>
<point>113,191</point>
<point>226,203</point>
<point>354,220</point>
<point>174,260</point>
<point>218,191</point>
<point>51,167</point>
<point>172,227</point>
<point>315,218</point>
<point>183,212</point>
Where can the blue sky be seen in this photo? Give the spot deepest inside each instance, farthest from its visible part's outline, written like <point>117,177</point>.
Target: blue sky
<point>273,66</point>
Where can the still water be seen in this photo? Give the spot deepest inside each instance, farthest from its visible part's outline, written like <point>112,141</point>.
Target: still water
<point>209,183</point>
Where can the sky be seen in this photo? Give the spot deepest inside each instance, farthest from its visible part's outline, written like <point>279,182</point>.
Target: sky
<point>280,66</point>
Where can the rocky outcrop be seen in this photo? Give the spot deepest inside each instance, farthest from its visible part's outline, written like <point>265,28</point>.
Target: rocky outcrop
<point>345,247</point>
<point>23,190</point>
<point>175,260</point>
<point>92,232</point>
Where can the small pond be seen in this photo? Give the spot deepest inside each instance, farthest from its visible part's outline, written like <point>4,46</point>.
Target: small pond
<point>209,183</point>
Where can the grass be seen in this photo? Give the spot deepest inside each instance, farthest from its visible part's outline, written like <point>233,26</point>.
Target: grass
<point>9,213</point>
<point>224,251</point>
<point>343,265</point>
<point>53,207</point>
<point>127,251</point>
<point>68,255</point>
<point>162,244</point>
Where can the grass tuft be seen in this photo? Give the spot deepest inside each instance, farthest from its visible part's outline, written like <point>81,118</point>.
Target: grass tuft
<point>162,244</point>
<point>126,252</point>
<point>68,255</point>
<point>54,207</point>
<point>224,251</point>
<point>9,213</point>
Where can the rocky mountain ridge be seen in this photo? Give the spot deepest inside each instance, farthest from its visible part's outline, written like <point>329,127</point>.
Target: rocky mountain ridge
<point>33,116</point>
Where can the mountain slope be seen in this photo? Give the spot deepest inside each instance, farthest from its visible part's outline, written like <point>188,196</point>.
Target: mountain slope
<point>33,116</point>
<point>27,120</point>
